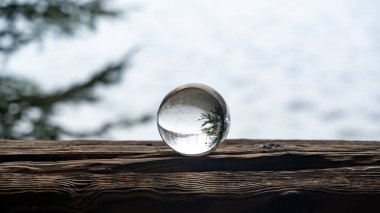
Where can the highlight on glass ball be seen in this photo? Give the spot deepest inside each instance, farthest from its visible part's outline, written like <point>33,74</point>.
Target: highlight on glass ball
<point>193,119</point>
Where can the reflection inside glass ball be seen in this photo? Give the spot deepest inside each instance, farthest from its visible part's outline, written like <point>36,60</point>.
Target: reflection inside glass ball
<point>193,119</point>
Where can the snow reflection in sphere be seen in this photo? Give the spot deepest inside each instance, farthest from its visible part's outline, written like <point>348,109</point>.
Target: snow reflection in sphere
<point>193,119</point>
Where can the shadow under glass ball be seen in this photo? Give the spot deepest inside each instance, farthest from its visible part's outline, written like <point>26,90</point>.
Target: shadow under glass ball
<point>193,119</point>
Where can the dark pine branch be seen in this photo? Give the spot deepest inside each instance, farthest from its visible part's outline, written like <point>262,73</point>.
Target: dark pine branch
<point>27,21</point>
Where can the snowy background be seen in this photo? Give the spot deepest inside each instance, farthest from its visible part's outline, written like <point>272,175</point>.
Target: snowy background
<point>287,69</point>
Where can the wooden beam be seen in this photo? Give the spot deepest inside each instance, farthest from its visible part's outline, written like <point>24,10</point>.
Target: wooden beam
<point>240,176</point>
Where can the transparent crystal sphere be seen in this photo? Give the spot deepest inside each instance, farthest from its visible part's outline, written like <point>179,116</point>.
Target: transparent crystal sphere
<point>193,119</point>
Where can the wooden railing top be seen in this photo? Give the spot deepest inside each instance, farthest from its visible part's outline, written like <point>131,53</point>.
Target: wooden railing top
<point>241,175</point>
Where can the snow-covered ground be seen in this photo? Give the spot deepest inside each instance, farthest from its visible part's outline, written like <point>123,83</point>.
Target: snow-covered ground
<point>287,69</point>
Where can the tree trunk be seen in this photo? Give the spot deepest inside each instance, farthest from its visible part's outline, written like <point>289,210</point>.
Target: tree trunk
<point>147,176</point>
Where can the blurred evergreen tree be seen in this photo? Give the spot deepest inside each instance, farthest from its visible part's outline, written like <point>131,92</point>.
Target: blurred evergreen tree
<point>22,102</point>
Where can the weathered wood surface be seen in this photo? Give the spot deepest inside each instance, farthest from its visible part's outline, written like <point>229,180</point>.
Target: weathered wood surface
<point>240,176</point>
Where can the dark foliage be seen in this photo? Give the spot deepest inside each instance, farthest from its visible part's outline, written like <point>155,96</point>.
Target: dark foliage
<point>26,21</point>
<point>214,124</point>
<point>26,110</point>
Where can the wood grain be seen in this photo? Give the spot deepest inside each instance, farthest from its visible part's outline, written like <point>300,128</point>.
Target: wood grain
<point>146,176</point>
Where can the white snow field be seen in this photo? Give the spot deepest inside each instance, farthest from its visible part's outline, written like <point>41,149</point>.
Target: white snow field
<point>287,69</point>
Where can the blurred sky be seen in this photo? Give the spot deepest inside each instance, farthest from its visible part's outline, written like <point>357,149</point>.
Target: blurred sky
<point>287,69</point>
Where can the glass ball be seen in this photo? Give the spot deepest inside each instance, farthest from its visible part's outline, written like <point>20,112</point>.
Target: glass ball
<point>193,119</point>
